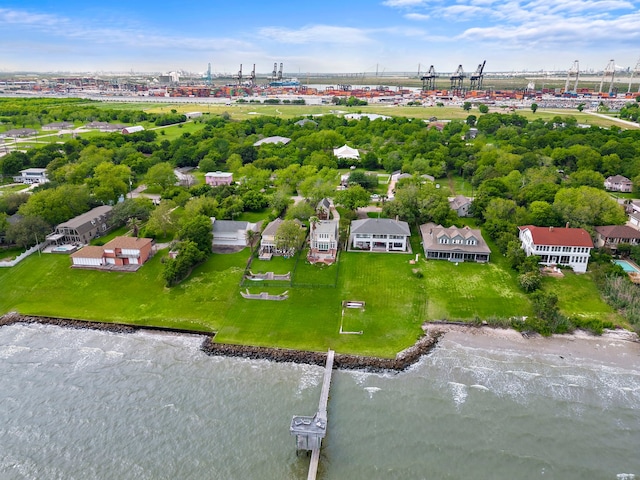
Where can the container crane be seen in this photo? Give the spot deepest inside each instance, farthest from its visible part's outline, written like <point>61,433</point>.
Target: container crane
<point>274,74</point>
<point>478,77</point>
<point>252,77</point>
<point>572,73</point>
<point>634,72</point>
<point>429,79</point>
<point>457,78</point>
<point>238,76</point>
<point>609,73</point>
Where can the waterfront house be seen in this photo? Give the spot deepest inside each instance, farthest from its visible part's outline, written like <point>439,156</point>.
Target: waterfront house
<point>268,240</point>
<point>380,235</point>
<point>610,236</point>
<point>323,241</point>
<point>232,233</point>
<point>455,244</point>
<point>618,183</point>
<point>119,252</point>
<point>83,228</point>
<point>569,247</point>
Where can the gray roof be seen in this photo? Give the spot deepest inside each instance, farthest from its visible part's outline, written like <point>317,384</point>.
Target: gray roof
<point>459,201</point>
<point>618,179</point>
<point>304,121</point>
<point>381,226</point>
<point>431,232</point>
<point>275,139</point>
<point>326,226</point>
<point>229,226</point>
<point>324,204</point>
<point>77,223</point>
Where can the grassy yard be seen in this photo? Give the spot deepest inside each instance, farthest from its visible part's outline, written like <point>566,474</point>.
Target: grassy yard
<point>397,301</point>
<point>579,297</point>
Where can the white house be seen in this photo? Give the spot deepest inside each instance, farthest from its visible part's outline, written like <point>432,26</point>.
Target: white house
<point>231,233</point>
<point>218,178</point>
<point>558,246</point>
<point>380,235</point>
<point>323,242</point>
<point>346,151</point>
<point>618,183</point>
<point>32,175</point>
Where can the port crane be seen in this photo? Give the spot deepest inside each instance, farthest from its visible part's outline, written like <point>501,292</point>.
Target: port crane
<point>634,72</point>
<point>573,74</point>
<point>457,79</point>
<point>478,77</point>
<point>238,76</point>
<point>252,76</point>
<point>609,74</point>
<point>429,79</point>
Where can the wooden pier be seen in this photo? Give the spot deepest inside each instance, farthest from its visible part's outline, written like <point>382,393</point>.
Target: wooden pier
<point>310,431</point>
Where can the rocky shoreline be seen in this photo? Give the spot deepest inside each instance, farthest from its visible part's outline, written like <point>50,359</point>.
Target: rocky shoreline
<point>401,362</point>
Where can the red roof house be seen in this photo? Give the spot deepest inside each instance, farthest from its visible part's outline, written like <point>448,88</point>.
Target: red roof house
<point>569,247</point>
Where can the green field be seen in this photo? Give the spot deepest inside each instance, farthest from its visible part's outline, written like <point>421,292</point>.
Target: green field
<point>397,301</point>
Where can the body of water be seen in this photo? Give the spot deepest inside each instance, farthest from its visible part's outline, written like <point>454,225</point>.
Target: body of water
<point>81,404</point>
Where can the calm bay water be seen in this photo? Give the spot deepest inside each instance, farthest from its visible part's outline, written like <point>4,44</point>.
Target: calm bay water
<point>94,405</point>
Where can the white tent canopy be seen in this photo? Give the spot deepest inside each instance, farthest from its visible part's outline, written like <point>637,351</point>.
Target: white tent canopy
<point>346,151</point>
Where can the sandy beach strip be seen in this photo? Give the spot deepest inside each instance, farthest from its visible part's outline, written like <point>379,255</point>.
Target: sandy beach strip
<point>614,347</point>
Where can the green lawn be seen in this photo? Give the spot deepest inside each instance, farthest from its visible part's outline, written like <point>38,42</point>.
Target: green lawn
<point>397,301</point>
<point>578,296</point>
<point>469,290</point>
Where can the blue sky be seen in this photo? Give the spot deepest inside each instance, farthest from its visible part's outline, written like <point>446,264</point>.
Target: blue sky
<point>326,36</point>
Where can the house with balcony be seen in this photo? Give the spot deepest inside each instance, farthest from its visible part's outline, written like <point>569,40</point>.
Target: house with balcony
<point>83,228</point>
<point>380,235</point>
<point>29,176</point>
<point>569,247</point>
<point>323,242</point>
<point>268,247</point>
<point>121,253</point>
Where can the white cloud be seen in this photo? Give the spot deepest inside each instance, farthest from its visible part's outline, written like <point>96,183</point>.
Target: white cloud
<point>21,17</point>
<point>316,34</point>
<point>417,16</point>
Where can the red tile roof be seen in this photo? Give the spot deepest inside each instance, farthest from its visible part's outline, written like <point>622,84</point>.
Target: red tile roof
<point>569,237</point>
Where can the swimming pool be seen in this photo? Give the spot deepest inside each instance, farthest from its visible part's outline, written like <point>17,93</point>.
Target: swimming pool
<point>627,266</point>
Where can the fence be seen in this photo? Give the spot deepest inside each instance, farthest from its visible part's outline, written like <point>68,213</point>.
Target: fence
<point>22,256</point>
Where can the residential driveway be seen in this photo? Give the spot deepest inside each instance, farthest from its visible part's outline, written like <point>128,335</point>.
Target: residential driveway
<point>364,211</point>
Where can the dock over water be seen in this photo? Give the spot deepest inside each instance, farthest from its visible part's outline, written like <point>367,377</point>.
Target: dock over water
<point>310,431</point>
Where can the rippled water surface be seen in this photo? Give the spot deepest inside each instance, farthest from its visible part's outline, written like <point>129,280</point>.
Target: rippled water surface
<point>94,405</point>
